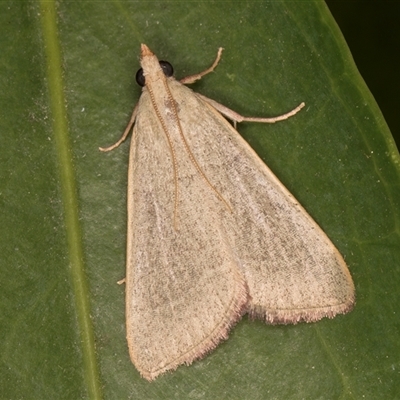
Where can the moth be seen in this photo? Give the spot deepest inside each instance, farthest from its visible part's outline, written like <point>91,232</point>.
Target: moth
<point>212,233</point>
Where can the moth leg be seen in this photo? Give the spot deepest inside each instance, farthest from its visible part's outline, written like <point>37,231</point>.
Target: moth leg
<point>125,134</point>
<point>121,281</point>
<point>235,117</point>
<point>196,77</point>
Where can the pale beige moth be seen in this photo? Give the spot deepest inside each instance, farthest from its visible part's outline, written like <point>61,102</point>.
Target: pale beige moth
<point>212,233</point>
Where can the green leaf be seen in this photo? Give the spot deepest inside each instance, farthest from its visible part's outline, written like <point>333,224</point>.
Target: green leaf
<point>64,203</point>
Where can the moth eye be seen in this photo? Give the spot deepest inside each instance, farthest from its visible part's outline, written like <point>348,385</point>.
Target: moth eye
<point>167,68</point>
<point>140,80</point>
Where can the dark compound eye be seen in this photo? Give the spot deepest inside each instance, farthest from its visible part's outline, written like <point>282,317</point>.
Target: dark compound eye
<point>140,77</point>
<point>165,66</point>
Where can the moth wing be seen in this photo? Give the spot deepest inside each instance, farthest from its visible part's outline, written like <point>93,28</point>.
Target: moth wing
<point>293,271</point>
<point>184,288</point>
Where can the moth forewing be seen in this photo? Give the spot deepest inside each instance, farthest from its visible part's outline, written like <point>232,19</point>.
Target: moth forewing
<point>293,271</point>
<point>171,274</point>
<point>212,233</point>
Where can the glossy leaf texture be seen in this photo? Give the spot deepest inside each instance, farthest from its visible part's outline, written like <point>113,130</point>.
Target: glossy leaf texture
<point>63,202</point>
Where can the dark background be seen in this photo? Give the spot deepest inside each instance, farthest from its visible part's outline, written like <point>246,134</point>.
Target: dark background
<point>372,31</point>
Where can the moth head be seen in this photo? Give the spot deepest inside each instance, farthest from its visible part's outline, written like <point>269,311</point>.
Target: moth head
<point>151,67</point>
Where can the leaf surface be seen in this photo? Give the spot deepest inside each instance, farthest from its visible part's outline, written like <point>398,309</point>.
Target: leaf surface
<point>62,313</point>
